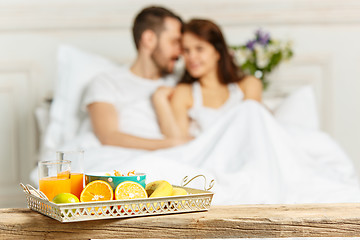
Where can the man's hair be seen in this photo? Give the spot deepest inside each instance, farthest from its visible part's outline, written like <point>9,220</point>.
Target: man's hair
<point>151,18</point>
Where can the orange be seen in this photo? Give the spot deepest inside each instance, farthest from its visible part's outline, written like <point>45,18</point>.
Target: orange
<point>97,191</point>
<point>129,190</point>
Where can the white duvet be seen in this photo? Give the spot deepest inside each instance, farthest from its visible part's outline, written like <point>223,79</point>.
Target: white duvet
<point>253,156</point>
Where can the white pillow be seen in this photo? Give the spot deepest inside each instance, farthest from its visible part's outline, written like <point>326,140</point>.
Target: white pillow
<point>299,108</point>
<point>75,69</point>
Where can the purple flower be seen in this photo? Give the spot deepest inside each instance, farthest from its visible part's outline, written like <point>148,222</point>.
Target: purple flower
<point>262,37</point>
<point>250,44</point>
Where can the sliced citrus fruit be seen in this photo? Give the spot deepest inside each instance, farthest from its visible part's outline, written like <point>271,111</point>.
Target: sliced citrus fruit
<point>129,190</point>
<point>97,191</point>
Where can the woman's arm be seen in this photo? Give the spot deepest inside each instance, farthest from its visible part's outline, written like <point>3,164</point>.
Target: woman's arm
<point>172,110</point>
<point>181,102</point>
<point>252,88</point>
<point>166,119</point>
<point>105,125</point>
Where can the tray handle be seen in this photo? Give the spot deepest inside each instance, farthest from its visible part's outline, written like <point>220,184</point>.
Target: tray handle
<point>28,189</point>
<point>186,181</point>
<point>25,188</point>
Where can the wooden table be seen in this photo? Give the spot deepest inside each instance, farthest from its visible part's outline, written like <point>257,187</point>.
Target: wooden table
<point>241,221</point>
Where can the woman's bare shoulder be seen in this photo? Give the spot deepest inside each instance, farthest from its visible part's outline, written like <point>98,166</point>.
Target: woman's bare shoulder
<point>183,87</point>
<point>183,93</point>
<point>252,88</point>
<point>251,82</point>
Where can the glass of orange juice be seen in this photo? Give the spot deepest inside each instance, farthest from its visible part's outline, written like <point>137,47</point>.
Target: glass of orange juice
<point>77,172</point>
<point>54,177</point>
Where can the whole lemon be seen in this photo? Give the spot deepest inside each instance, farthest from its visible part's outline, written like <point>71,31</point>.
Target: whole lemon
<point>65,198</point>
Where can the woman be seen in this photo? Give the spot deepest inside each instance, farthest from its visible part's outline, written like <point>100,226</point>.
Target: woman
<point>210,86</point>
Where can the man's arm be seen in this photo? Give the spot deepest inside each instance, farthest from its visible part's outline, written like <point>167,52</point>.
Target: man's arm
<point>104,121</point>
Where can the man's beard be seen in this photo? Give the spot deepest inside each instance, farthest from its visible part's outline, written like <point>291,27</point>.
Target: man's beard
<point>161,63</point>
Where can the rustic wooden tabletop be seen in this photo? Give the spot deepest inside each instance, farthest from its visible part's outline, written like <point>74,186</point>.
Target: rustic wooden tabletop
<point>241,221</point>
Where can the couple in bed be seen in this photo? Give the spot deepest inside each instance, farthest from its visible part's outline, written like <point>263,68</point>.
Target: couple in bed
<point>253,157</point>
<point>121,103</point>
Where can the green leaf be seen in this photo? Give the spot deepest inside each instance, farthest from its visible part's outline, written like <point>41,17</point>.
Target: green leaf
<point>249,67</point>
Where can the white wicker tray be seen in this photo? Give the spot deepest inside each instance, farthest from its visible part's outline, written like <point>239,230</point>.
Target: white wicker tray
<point>196,200</point>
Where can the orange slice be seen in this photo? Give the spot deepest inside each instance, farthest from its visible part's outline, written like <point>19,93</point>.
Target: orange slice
<point>129,190</point>
<point>97,191</point>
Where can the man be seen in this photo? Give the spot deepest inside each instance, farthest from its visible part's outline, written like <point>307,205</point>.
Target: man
<point>119,101</point>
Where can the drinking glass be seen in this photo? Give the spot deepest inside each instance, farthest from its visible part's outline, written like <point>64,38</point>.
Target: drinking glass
<point>54,177</point>
<point>77,172</point>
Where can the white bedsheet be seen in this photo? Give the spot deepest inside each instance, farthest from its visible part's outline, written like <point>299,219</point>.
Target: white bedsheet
<point>253,157</point>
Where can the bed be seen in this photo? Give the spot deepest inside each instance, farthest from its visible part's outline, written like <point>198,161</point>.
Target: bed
<point>31,32</point>
<point>256,156</point>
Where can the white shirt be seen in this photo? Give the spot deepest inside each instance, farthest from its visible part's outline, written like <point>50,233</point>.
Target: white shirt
<point>131,97</point>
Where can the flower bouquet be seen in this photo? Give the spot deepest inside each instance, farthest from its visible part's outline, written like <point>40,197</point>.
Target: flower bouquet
<point>261,55</point>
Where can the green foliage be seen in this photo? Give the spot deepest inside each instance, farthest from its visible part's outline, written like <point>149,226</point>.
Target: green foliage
<point>261,55</point>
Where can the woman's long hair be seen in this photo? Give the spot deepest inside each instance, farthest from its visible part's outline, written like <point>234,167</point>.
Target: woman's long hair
<point>208,31</point>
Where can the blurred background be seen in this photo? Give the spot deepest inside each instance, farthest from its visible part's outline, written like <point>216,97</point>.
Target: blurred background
<point>325,36</point>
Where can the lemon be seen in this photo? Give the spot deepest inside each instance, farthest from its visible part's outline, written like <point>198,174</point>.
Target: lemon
<point>65,198</point>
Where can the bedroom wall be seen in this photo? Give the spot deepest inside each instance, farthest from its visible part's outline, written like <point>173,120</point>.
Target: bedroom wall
<point>325,35</point>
